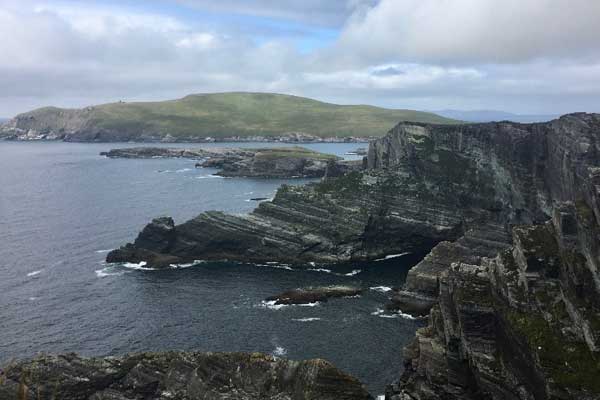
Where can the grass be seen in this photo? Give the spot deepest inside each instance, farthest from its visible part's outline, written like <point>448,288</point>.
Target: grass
<point>292,152</point>
<point>244,114</point>
<point>570,364</point>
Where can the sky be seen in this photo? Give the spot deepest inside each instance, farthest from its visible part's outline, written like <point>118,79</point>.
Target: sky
<point>527,57</point>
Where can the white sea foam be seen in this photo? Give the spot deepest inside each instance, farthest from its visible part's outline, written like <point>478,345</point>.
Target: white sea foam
<point>307,319</point>
<point>34,273</point>
<point>279,351</point>
<point>316,303</point>
<point>103,251</point>
<point>272,305</point>
<point>108,271</point>
<point>398,314</point>
<point>328,271</point>
<point>183,170</point>
<point>33,298</point>
<point>139,266</point>
<point>276,265</point>
<point>390,256</point>
<point>382,289</point>
<point>186,265</point>
<point>312,263</point>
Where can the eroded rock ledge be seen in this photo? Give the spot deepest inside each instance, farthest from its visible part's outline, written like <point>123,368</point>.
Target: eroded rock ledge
<point>177,375</point>
<point>276,162</point>
<point>511,214</point>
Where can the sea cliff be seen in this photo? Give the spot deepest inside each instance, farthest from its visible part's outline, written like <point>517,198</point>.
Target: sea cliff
<point>509,216</point>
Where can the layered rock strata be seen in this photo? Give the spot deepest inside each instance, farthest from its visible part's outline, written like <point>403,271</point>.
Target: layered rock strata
<point>177,375</point>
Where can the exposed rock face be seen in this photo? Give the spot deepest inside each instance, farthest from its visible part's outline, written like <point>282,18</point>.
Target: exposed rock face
<point>314,295</point>
<point>519,321</point>
<point>512,212</point>
<point>354,217</point>
<point>177,375</point>
<point>279,162</point>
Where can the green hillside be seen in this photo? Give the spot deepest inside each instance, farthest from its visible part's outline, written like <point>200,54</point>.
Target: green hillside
<point>229,114</point>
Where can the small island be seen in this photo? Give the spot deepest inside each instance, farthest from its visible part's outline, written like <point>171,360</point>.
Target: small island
<point>276,162</point>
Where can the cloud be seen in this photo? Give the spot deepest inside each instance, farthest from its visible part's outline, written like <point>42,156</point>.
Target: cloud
<point>473,31</point>
<point>394,77</point>
<point>387,54</point>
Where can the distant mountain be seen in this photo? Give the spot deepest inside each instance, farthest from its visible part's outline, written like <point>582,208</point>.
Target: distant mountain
<point>219,116</point>
<point>494,115</point>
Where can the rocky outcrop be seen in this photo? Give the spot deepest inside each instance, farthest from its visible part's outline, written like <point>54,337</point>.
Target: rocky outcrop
<point>278,162</point>
<point>354,217</point>
<point>170,152</point>
<point>313,295</point>
<point>177,375</point>
<point>511,214</point>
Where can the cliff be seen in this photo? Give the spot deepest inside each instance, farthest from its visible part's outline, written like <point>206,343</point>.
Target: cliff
<point>509,216</point>
<point>177,375</point>
<point>517,318</point>
<point>211,117</point>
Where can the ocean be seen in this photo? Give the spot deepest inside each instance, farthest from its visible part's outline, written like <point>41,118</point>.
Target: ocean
<point>63,207</point>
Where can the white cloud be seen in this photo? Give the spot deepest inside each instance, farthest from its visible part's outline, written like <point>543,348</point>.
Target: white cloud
<point>480,31</point>
<point>202,41</point>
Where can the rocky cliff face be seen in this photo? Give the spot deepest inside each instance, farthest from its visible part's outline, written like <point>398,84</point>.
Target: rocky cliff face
<point>173,375</point>
<point>510,216</point>
<point>515,311</point>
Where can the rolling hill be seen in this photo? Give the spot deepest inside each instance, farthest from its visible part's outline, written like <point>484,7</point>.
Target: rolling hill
<point>219,116</point>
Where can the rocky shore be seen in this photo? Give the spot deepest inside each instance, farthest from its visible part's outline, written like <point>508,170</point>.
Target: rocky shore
<point>510,217</point>
<point>278,162</point>
<point>177,375</point>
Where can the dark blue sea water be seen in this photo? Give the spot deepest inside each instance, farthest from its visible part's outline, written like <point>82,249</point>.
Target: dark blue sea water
<point>62,206</point>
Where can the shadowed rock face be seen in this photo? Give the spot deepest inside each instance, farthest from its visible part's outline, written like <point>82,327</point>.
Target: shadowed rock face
<point>511,214</point>
<point>173,375</point>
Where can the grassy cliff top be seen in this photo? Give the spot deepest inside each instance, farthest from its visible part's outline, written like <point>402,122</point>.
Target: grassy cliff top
<point>239,114</point>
